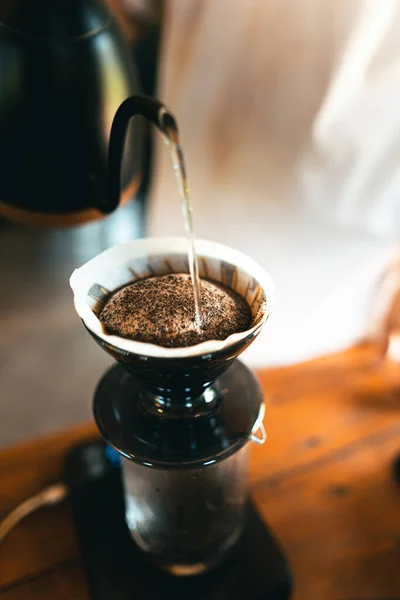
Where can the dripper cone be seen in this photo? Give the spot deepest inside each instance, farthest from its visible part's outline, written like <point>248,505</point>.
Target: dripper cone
<point>174,375</point>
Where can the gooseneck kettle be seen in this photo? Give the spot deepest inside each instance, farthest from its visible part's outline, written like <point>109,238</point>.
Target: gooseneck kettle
<point>64,71</point>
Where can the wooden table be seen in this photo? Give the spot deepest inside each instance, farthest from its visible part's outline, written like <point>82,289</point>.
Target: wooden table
<point>323,480</point>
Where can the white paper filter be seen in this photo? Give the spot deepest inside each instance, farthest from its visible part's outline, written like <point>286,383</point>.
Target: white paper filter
<point>126,263</point>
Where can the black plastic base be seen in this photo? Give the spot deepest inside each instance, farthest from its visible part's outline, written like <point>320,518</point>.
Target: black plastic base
<point>117,569</point>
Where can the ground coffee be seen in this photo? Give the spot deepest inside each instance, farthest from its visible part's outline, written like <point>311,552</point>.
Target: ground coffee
<point>160,310</point>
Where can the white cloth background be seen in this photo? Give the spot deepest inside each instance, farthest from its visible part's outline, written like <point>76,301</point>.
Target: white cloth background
<point>289,113</point>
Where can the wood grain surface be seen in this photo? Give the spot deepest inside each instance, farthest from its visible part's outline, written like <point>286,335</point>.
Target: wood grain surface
<point>323,481</point>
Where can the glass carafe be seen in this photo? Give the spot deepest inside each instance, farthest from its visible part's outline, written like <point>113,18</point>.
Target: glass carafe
<point>186,520</point>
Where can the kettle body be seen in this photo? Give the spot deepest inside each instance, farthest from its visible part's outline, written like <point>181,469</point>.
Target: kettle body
<point>64,70</point>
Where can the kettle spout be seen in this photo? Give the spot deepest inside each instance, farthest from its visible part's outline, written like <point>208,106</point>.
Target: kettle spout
<point>155,112</point>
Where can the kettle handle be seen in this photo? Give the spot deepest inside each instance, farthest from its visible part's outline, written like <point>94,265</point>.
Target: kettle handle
<point>155,112</point>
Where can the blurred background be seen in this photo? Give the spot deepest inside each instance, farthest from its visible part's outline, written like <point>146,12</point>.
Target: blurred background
<point>290,123</point>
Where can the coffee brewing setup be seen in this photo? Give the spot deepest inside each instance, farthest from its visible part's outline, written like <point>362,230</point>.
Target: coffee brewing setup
<point>181,418</point>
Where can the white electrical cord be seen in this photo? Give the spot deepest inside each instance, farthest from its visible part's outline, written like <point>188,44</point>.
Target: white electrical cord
<point>47,497</point>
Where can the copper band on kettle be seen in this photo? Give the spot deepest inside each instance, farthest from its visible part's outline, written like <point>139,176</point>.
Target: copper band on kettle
<point>48,219</point>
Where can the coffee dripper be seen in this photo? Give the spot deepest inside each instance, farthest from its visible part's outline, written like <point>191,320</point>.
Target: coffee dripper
<point>181,418</point>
